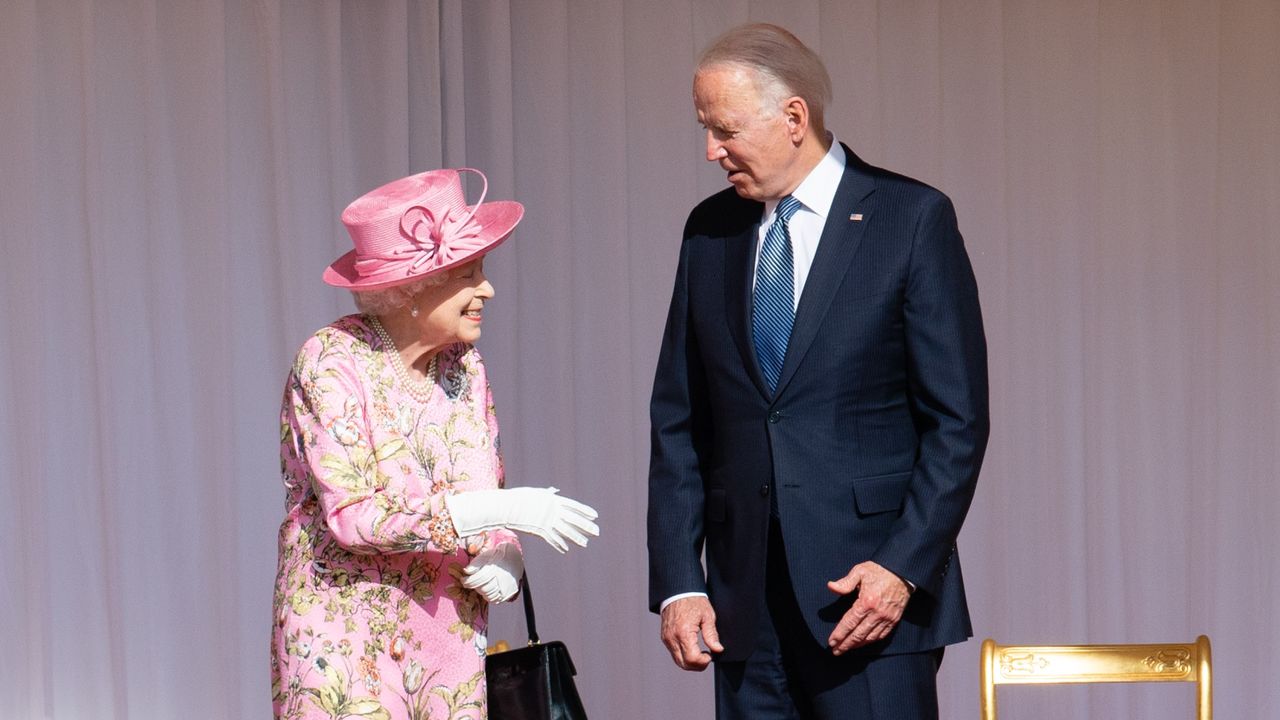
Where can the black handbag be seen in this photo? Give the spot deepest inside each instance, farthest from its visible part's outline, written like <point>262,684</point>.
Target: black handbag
<point>534,682</point>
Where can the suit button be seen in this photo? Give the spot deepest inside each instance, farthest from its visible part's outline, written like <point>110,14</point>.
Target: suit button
<point>775,416</point>
<point>764,489</point>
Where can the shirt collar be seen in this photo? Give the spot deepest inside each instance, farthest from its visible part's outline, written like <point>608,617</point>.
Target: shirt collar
<point>818,189</point>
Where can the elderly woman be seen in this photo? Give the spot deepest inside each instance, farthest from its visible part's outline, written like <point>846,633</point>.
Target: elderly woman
<point>398,531</point>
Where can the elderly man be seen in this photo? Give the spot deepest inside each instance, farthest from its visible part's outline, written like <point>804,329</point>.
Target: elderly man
<point>819,410</point>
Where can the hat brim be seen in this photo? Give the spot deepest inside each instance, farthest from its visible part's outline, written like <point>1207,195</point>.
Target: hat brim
<point>497,219</point>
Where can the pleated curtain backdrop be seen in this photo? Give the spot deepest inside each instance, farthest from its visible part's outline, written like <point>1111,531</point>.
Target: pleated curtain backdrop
<point>171,175</point>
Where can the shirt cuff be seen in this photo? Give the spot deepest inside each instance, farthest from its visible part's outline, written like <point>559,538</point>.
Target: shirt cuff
<point>680,596</point>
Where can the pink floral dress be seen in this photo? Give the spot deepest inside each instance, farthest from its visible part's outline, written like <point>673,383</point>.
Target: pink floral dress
<point>371,620</point>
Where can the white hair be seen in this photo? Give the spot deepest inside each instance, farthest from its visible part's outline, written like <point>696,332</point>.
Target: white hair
<point>385,300</point>
<point>782,65</point>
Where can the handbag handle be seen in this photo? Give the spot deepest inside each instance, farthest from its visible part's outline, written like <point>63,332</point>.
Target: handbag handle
<point>529,621</point>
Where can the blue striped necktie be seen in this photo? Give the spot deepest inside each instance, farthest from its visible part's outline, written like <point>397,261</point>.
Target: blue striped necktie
<point>774,308</point>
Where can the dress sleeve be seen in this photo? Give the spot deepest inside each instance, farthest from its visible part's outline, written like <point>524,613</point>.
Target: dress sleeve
<point>503,536</point>
<point>347,468</point>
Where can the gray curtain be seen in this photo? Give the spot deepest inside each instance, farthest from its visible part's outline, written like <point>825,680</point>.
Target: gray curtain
<point>172,177</point>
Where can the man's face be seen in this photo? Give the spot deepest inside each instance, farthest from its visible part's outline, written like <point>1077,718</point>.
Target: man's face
<point>751,141</point>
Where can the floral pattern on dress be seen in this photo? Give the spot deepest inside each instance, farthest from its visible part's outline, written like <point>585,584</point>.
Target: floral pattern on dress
<point>370,616</point>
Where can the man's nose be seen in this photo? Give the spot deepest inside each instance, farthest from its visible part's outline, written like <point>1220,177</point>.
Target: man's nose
<point>715,149</point>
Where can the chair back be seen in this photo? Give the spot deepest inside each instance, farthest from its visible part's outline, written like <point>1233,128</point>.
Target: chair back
<point>1057,664</point>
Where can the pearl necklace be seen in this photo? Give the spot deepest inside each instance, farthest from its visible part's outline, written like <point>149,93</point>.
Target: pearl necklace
<point>419,389</point>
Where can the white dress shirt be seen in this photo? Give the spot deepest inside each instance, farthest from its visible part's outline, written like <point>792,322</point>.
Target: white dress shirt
<point>815,193</point>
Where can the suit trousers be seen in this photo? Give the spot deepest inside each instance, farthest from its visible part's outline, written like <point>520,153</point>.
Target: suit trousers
<point>790,675</point>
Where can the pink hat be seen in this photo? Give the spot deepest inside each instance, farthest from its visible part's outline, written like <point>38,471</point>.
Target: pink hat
<point>418,226</point>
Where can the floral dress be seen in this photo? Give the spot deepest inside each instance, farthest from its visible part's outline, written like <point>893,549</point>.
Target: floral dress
<point>371,619</point>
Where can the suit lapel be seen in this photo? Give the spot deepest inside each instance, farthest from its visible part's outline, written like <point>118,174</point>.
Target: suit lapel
<point>850,213</point>
<point>739,267</point>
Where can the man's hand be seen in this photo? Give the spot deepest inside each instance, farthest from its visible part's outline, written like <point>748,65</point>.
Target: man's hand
<point>882,597</point>
<point>682,620</point>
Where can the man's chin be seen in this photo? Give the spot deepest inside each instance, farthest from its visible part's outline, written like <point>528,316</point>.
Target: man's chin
<point>746,190</point>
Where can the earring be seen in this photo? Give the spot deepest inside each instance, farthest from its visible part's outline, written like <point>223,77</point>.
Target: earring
<point>414,311</point>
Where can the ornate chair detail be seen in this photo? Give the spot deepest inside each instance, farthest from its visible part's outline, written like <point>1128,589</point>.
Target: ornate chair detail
<point>1054,664</point>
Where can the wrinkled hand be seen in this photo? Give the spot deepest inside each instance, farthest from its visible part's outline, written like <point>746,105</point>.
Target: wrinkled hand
<point>495,573</point>
<point>537,511</point>
<point>682,621</point>
<point>882,598</point>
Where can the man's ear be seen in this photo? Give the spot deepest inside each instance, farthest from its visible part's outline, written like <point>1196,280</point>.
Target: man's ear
<point>796,113</point>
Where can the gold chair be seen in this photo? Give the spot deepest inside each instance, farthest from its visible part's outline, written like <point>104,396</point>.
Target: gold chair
<point>1054,664</point>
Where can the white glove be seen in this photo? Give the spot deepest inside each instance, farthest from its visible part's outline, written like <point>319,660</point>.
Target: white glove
<point>537,511</point>
<point>495,573</point>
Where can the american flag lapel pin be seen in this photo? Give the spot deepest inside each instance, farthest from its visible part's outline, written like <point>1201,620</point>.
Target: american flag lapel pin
<point>856,217</point>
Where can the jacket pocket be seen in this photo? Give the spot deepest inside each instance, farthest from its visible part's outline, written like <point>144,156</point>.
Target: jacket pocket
<point>880,493</point>
<point>715,505</point>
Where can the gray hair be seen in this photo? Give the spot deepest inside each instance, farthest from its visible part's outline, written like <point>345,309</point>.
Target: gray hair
<point>784,66</point>
<point>385,300</point>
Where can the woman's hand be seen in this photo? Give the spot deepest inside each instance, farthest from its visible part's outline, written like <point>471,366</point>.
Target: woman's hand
<point>495,573</point>
<point>537,511</point>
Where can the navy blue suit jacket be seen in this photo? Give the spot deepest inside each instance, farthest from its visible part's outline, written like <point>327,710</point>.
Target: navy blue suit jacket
<point>872,440</point>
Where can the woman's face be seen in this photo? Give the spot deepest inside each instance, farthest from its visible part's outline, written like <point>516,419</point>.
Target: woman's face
<point>452,310</point>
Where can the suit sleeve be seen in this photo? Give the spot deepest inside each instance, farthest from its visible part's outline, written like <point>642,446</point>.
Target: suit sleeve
<point>947,390</point>
<point>676,495</point>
